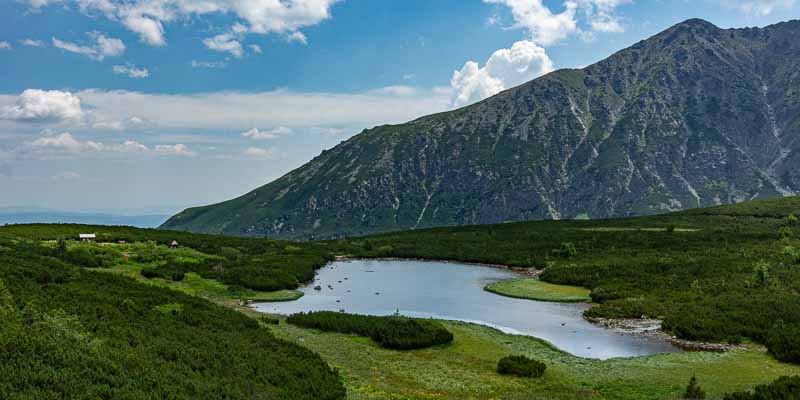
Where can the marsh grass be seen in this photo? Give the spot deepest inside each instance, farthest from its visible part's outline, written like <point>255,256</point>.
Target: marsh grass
<point>534,289</point>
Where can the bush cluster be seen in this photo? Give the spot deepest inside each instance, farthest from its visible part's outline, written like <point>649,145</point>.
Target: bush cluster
<point>88,334</point>
<point>783,388</point>
<point>391,332</point>
<point>521,366</point>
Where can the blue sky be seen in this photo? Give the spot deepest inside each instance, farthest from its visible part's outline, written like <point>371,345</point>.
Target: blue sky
<point>157,105</point>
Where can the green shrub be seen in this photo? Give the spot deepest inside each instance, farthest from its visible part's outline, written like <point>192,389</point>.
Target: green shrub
<point>761,274</point>
<point>521,366</point>
<point>783,388</point>
<point>783,342</point>
<point>392,332</point>
<point>785,233</point>
<point>693,390</point>
<point>567,250</point>
<point>270,320</point>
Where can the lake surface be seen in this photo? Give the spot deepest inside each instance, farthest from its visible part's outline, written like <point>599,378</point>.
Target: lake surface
<point>455,291</point>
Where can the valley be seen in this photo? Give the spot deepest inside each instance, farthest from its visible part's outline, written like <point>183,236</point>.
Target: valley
<point>671,267</point>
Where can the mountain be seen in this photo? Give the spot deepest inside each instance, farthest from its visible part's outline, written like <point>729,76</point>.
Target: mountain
<point>694,116</point>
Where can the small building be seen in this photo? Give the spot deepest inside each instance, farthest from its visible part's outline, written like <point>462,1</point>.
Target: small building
<point>85,237</point>
<point>174,244</point>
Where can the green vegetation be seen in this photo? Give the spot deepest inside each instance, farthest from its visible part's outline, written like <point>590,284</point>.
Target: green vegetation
<point>784,388</point>
<point>521,366</point>
<point>722,274</point>
<point>71,332</point>
<point>392,332</point>
<point>535,289</point>
<point>694,391</point>
<point>467,369</point>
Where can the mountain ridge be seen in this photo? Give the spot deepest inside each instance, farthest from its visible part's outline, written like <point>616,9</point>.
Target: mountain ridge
<point>693,116</point>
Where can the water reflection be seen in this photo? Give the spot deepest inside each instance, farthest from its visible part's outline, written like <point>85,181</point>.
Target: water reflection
<point>455,291</point>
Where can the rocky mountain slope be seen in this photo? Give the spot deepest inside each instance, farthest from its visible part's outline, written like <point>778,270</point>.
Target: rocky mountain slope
<point>694,116</point>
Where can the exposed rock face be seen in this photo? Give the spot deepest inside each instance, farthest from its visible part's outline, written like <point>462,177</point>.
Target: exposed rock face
<point>694,116</point>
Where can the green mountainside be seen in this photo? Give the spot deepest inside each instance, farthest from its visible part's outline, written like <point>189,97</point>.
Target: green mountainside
<point>694,116</point>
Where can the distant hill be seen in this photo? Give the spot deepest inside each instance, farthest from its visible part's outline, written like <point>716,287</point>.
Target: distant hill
<point>11,216</point>
<point>695,116</point>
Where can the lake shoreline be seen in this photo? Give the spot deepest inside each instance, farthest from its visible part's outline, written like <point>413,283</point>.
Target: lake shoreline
<point>526,272</point>
<point>627,326</point>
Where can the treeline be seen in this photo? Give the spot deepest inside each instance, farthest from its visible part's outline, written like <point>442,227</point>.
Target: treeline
<point>719,274</point>
<point>783,388</point>
<point>257,264</point>
<point>70,332</point>
<point>391,332</point>
<point>267,272</point>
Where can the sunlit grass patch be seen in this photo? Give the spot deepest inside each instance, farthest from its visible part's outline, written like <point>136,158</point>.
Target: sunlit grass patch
<point>534,289</point>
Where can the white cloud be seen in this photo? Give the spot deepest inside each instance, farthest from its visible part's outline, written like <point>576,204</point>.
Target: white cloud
<point>131,71</point>
<point>242,111</point>
<point>505,68</point>
<point>65,144</point>
<point>297,37</point>
<point>36,4</point>
<point>225,42</point>
<point>255,48</point>
<point>5,45</point>
<point>102,48</point>
<point>35,105</point>
<point>147,18</point>
<point>544,26</point>
<point>150,30</point>
<point>32,43</point>
<point>129,123</point>
<point>208,64</point>
<point>257,134</point>
<point>601,14</point>
<point>259,153</point>
<point>763,8</point>
<point>174,150</point>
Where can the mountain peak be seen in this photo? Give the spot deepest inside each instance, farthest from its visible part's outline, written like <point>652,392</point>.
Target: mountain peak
<point>695,116</point>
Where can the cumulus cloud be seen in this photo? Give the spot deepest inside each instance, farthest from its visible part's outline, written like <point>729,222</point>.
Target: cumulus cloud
<point>601,14</point>
<point>505,68</point>
<point>150,30</point>
<point>32,43</point>
<point>581,17</point>
<point>131,71</point>
<point>257,134</point>
<point>763,8</point>
<point>225,42</point>
<point>259,153</point>
<point>297,36</point>
<point>147,18</point>
<point>35,105</point>
<point>174,150</point>
<point>544,26</point>
<point>5,45</point>
<point>101,48</point>
<point>65,144</point>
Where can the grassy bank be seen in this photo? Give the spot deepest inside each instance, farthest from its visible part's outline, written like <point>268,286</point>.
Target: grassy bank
<point>467,369</point>
<point>535,289</point>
